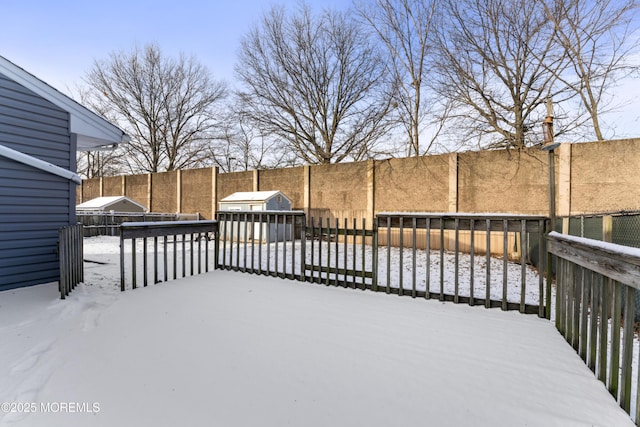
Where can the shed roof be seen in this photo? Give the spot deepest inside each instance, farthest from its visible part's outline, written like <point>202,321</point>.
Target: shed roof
<point>253,196</point>
<point>103,203</point>
<point>92,130</point>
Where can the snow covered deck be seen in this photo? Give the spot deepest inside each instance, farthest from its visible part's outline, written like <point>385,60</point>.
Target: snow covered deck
<point>233,349</point>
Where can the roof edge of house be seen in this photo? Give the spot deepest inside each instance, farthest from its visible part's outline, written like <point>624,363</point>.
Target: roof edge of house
<point>28,160</point>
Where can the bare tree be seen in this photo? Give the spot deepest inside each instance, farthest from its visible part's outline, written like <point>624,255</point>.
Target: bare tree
<point>315,83</point>
<point>597,40</point>
<point>241,145</point>
<point>404,27</point>
<point>498,61</point>
<point>166,105</point>
<point>94,164</point>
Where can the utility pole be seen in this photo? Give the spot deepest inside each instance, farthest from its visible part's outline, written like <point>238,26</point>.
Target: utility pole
<point>549,145</point>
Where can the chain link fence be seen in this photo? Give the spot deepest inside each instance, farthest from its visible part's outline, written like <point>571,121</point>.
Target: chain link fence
<point>624,228</point>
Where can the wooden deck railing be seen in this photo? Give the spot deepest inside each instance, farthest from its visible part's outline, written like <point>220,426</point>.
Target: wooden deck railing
<point>476,236</point>
<point>178,238</point>
<point>342,254</point>
<point>596,286</point>
<point>70,257</point>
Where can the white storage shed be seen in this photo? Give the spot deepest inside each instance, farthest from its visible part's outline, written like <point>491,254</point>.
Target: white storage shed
<point>110,203</point>
<point>255,201</point>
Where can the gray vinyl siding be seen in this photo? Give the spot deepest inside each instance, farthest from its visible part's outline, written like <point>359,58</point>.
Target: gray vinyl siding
<point>33,204</point>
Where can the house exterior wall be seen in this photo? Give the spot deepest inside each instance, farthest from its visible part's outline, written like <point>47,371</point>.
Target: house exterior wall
<point>33,204</point>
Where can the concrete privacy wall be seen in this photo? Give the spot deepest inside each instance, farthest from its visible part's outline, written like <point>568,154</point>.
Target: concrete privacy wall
<point>590,177</point>
<point>503,181</point>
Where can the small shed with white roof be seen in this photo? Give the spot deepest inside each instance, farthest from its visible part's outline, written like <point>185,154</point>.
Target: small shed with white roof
<point>111,204</point>
<point>256,201</point>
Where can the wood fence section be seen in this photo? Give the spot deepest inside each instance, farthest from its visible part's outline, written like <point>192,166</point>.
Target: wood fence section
<point>595,309</point>
<point>591,177</point>
<point>71,258</point>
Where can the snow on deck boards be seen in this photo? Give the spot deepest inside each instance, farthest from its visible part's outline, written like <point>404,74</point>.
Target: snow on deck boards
<point>232,349</point>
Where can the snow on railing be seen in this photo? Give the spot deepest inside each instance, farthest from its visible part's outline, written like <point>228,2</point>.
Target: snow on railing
<point>596,286</point>
<point>178,238</point>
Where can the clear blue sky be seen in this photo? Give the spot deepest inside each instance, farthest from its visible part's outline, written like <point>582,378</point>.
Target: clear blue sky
<point>58,40</point>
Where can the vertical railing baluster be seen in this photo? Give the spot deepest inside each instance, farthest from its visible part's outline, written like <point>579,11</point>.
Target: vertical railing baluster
<point>206,252</point>
<point>144,261</point>
<point>199,253</point>
<point>133,263</point>
<point>344,254</point>
<point>505,243</point>
<point>442,219</point>
<point>374,261</point>
<point>627,348</point>
<point>570,287</point>
<point>616,316</point>
<point>64,277</point>
<point>165,258</point>
<point>604,328</point>
<point>269,235</point>
<point>303,246</point>
<point>245,236</point>
<point>335,278</point>
<point>593,325</point>
<point>253,242</point>
<point>400,262</point>
<point>175,256</point>
<point>542,297</point>
<point>577,305</point>
<point>260,242</point>
<point>276,251</point>
<point>427,290</point>
<point>413,258</point>
<point>292,235</point>
<point>456,263</point>
<point>388,254</point>
<point>487,301</point>
<point>224,237</point>
<point>284,245</point>
<point>353,253</point>
<point>523,264</point>
<point>155,260</point>
<point>312,250</point>
<point>122,277</point>
<point>184,255</point>
<point>328,278</point>
<point>362,253</point>
<point>583,341</point>
<point>191,253</point>
<point>472,224</point>
<point>238,237</point>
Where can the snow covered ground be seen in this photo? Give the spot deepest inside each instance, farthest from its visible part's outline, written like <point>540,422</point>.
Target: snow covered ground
<point>231,349</point>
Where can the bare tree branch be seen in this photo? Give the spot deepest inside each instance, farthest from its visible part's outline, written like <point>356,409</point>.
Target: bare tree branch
<point>168,106</point>
<point>404,27</point>
<point>315,82</point>
<point>598,41</point>
<point>498,63</point>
